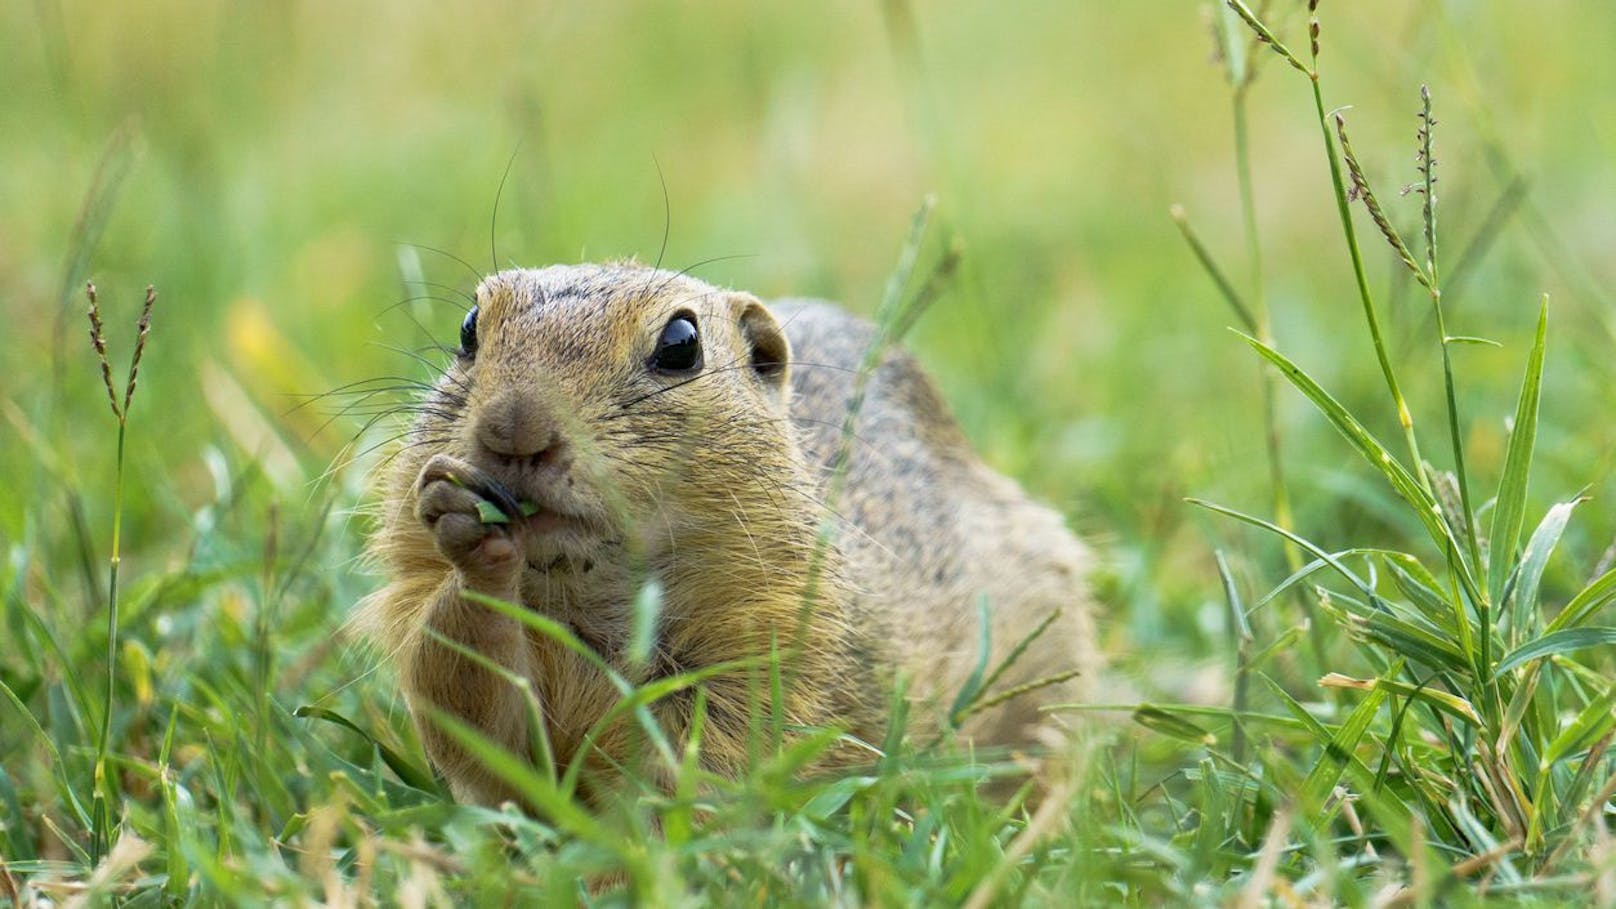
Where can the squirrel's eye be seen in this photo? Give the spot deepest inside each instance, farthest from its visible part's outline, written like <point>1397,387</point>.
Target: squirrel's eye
<point>679,347</point>
<point>468,334</point>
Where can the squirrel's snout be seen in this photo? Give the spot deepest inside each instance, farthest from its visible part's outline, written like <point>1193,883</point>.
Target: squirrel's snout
<point>517,427</point>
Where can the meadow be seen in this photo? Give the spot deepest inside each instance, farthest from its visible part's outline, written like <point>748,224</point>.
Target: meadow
<point>1356,562</point>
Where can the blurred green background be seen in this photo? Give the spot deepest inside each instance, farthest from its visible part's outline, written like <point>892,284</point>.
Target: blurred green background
<point>272,161</point>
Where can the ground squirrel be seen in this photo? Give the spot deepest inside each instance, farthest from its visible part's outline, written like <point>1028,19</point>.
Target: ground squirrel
<point>638,425</point>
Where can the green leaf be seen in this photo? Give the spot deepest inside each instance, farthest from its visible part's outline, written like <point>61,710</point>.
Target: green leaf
<point>1201,710</point>
<point>800,753</point>
<point>830,799</point>
<point>1519,701</point>
<point>1312,568</point>
<point>532,785</point>
<point>1311,549</point>
<point>408,772</point>
<point>553,630</point>
<point>1169,723</point>
<point>973,684</point>
<point>1379,457</point>
<point>1333,763</point>
<point>13,822</point>
<point>1564,641</point>
<point>1307,721</point>
<point>1442,700</point>
<point>1509,512</point>
<point>1594,721</point>
<point>64,787</point>
<point>1529,573</point>
<point>40,734</point>
<point>178,869</point>
<point>1282,643</point>
<point>1433,606</point>
<point>636,703</point>
<point>647,608</point>
<point>1583,606</point>
<point>539,744</point>
<point>1402,632</point>
<point>79,704</point>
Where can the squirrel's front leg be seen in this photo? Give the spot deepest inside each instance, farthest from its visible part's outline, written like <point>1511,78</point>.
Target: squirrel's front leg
<point>488,561</point>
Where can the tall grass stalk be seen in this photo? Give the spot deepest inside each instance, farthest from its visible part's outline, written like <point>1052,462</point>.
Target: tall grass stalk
<point>1493,741</point>
<point>105,794</point>
<point>1240,69</point>
<point>1365,297</point>
<point>1404,417</point>
<point>1242,74</point>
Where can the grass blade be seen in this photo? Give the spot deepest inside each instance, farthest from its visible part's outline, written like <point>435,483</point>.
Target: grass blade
<point>532,785</point>
<point>1423,594</point>
<point>1442,700</point>
<point>1402,632</point>
<point>1564,641</point>
<point>647,611</point>
<point>1402,481</point>
<point>973,684</point>
<point>1311,549</point>
<point>1510,511</point>
<point>1169,723</point>
<point>1311,568</point>
<point>1593,722</point>
<point>1248,321</point>
<point>1327,772</point>
<point>1524,612</point>
<point>13,823</point>
<point>408,772</point>
<point>1585,604</point>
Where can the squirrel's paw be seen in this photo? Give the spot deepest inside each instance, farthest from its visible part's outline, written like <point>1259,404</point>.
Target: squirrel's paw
<point>486,556</point>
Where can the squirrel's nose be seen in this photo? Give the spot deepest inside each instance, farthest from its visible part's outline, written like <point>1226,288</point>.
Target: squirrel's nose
<point>518,427</point>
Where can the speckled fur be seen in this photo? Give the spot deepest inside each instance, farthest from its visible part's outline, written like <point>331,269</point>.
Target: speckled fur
<point>937,530</point>
<point>714,487</point>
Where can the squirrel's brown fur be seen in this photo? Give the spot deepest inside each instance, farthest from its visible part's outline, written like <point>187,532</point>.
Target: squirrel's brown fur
<point>710,483</point>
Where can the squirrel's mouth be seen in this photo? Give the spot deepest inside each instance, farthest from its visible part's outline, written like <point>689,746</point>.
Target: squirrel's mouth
<point>556,532</point>
<point>552,560</point>
<point>545,522</point>
<point>557,541</point>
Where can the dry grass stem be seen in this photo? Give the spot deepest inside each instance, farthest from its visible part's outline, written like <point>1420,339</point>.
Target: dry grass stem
<point>1263,874</point>
<point>1048,819</point>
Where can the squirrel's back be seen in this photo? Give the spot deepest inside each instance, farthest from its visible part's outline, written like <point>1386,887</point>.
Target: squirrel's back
<point>931,532</point>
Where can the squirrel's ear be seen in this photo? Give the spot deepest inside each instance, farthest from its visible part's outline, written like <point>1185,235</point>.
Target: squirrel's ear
<point>767,347</point>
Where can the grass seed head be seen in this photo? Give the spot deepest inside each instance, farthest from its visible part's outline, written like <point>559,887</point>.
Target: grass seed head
<point>144,329</point>
<point>1264,35</point>
<point>1426,160</point>
<point>1360,190</point>
<point>99,340</point>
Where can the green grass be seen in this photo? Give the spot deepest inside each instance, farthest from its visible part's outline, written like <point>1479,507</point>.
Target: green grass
<point>1374,650</point>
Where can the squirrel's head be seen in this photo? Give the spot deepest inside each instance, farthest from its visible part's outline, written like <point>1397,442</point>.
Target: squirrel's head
<point>625,406</point>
